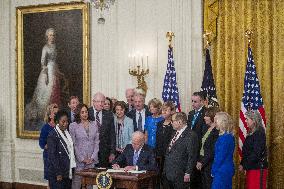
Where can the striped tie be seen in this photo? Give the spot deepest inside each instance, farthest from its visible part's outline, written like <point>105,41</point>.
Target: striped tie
<point>98,120</point>
<point>173,140</point>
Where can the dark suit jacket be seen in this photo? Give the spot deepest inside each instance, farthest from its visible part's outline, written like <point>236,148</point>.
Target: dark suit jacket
<point>209,146</point>
<point>107,135</point>
<point>182,157</point>
<point>199,126</point>
<point>59,162</point>
<point>146,160</point>
<point>254,151</point>
<point>132,115</point>
<point>163,138</point>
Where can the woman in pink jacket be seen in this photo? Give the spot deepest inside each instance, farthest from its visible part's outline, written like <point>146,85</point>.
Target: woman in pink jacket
<point>85,136</point>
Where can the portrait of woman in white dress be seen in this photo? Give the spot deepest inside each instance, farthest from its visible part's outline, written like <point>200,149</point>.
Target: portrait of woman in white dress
<point>50,84</point>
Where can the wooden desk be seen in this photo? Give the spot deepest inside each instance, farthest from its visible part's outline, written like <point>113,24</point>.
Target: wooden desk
<point>121,180</point>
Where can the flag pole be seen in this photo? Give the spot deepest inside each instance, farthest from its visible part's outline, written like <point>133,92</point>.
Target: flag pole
<point>248,34</point>
<point>170,36</point>
<point>206,36</point>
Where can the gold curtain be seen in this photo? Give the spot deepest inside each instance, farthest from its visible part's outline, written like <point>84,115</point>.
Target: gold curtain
<point>229,57</point>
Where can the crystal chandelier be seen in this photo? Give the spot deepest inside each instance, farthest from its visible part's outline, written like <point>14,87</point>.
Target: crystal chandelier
<point>101,5</point>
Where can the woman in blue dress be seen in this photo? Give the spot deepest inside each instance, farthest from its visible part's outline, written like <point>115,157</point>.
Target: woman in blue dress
<point>151,122</point>
<point>223,165</point>
<point>47,127</point>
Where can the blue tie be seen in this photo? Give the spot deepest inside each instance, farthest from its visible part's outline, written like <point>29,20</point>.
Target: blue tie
<point>135,157</point>
<point>194,119</point>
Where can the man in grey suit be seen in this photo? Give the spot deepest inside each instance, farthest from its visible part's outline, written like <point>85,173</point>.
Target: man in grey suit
<point>181,154</point>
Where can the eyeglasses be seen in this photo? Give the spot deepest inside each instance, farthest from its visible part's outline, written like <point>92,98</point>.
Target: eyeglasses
<point>98,101</point>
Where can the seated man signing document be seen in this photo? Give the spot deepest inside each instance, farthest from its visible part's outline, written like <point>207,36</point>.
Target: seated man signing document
<point>136,156</point>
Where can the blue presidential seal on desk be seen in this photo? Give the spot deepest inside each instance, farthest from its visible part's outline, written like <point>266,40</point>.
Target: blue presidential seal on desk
<point>104,180</point>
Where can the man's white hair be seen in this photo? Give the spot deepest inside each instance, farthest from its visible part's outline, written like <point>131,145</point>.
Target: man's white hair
<point>97,95</point>
<point>139,135</point>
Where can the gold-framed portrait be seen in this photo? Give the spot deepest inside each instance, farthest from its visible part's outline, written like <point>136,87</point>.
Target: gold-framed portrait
<point>52,61</point>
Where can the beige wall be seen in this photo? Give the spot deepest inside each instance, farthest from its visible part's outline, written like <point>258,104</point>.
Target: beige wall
<point>131,24</point>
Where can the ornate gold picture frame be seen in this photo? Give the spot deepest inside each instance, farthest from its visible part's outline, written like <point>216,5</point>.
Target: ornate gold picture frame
<point>52,61</point>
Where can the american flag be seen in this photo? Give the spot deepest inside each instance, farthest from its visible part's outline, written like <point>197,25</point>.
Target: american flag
<point>252,99</point>
<point>208,84</point>
<point>170,89</point>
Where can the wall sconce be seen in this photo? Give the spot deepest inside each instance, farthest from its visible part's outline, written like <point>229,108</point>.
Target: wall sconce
<point>138,67</point>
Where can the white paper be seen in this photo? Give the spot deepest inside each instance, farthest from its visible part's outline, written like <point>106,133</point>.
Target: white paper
<point>121,170</point>
<point>137,172</point>
<point>115,171</point>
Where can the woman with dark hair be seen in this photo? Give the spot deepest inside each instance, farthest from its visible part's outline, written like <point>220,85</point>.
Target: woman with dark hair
<point>85,135</point>
<point>165,129</point>
<point>108,104</point>
<point>254,151</point>
<point>206,155</point>
<point>123,126</point>
<point>49,120</point>
<point>60,154</point>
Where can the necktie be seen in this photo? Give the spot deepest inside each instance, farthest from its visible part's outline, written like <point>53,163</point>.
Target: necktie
<point>135,157</point>
<point>140,122</point>
<point>72,116</point>
<point>173,140</point>
<point>98,120</point>
<point>194,119</point>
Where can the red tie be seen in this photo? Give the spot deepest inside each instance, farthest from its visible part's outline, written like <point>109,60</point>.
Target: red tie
<point>173,140</point>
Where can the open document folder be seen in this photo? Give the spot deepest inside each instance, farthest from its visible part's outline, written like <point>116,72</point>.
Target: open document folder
<point>121,170</point>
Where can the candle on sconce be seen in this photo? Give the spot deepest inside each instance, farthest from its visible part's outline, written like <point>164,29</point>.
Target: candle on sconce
<point>142,61</point>
<point>137,60</point>
<point>129,60</point>
<point>147,62</point>
<point>134,59</point>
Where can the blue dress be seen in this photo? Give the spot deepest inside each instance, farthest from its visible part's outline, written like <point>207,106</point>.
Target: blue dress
<point>42,142</point>
<point>223,165</point>
<point>151,128</point>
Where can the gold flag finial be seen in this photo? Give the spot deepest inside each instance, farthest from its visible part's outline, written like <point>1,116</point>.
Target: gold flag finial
<point>248,34</point>
<point>170,36</point>
<point>206,37</point>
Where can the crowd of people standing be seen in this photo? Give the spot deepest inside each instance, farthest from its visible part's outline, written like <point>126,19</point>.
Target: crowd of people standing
<point>187,150</point>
